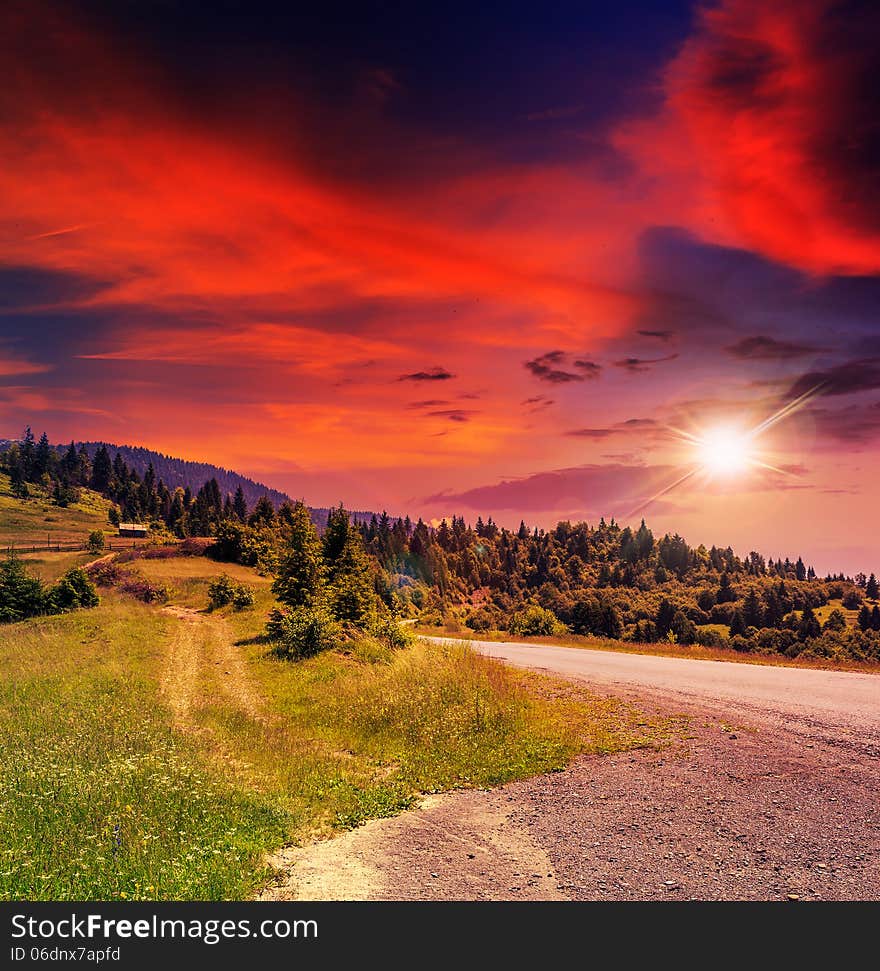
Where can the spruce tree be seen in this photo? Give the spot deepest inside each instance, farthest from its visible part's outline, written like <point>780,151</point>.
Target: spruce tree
<point>239,505</point>
<point>872,588</point>
<point>302,574</point>
<point>752,612</point>
<point>737,623</point>
<point>102,471</point>
<point>352,582</point>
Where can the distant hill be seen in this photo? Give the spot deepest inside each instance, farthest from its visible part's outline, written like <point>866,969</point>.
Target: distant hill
<point>176,472</point>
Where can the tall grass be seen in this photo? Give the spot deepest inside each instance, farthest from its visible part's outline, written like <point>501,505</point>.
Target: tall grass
<point>103,796</point>
<point>99,799</point>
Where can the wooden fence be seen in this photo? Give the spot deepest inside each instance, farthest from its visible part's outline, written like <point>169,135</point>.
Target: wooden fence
<point>110,546</point>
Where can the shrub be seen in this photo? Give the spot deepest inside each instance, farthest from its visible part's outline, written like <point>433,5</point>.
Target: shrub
<point>110,574</point>
<point>535,621</point>
<point>74,590</point>
<point>707,637</point>
<point>221,592</point>
<point>96,542</point>
<point>224,591</point>
<point>852,600</point>
<point>388,630</point>
<point>301,632</point>
<point>483,619</point>
<point>243,598</point>
<point>21,596</point>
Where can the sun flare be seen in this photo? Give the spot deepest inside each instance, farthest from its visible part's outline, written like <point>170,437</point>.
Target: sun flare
<point>725,452</point>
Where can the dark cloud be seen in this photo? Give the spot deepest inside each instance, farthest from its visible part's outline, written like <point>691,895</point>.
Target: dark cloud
<point>590,368</point>
<point>637,365</point>
<point>589,490</point>
<point>453,414</point>
<point>434,374</point>
<point>595,433</point>
<point>762,348</point>
<point>853,376</point>
<point>630,425</point>
<point>855,425</point>
<point>538,402</point>
<point>660,335</point>
<point>430,403</point>
<point>28,286</point>
<point>544,369</point>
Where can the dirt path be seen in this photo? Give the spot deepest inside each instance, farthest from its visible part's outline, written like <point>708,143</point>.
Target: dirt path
<point>746,809</point>
<point>204,666</point>
<point>464,846</point>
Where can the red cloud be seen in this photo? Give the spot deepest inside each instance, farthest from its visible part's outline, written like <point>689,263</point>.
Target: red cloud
<point>771,123</point>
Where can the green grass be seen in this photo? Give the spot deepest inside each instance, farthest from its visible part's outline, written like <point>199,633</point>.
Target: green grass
<point>100,798</point>
<point>28,522</point>
<point>107,791</point>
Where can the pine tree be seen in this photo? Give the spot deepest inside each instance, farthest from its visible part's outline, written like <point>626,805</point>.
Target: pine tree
<point>263,514</point>
<point>665,615</point>
<point>335,536</point>
<point>737,624</point>
<point>102,471</point>
<point>752,612</point>
<point>726,593</point>
<point>302,574</point>
<point>352,581</point>
<point>28,454</point>
<point>239,505</point>
<point>872,588</point>
<point>43,457</point>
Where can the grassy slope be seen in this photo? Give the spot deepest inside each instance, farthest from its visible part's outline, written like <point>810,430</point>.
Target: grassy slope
<point>107,790</point>
<point>27,522</point>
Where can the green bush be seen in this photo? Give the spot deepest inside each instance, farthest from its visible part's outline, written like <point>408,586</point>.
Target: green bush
<point>535,621</point>
<point>224,591</point>
<point>243,598</point>
<point>73,591</point>
<point>96,542</point>
<point>389,631</point>
<point>301,632</point>
<point>21,596</point>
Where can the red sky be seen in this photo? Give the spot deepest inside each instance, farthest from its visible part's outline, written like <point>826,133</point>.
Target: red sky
<point>454,281</point>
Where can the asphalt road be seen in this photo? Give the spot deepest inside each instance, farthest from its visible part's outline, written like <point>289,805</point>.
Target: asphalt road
<point>835,699</point>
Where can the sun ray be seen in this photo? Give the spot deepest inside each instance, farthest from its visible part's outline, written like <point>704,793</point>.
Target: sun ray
<point>726,451</point>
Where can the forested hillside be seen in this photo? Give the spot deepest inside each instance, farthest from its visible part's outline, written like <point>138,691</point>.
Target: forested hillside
<point>603,580</point>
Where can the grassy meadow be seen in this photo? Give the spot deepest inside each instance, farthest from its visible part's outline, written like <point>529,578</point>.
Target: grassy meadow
<point>159,752</point>
<point>30,523</point>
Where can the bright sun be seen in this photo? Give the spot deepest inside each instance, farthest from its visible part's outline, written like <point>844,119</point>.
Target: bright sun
<point>725,451</point>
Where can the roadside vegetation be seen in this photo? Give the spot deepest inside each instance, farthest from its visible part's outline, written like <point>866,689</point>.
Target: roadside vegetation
<point>160,750</point>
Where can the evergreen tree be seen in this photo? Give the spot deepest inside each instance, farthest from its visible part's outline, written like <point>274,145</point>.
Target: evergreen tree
<point>726,593</point>
<point>28,454</point>
<point>102,471</point>
<point>665,615</point>
<point>21,595</point>
<point>737,624</point>
<point>263,514</point>
<point>752,612</point>
<point>352,581</point>
<point>43,458</point>
<point>302,574</point>
<point>872,588</point>
<point>239,505</point>
<point>808,625</point>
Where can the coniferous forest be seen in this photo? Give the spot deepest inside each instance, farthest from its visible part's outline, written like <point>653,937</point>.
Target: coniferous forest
<point>603,580</point>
